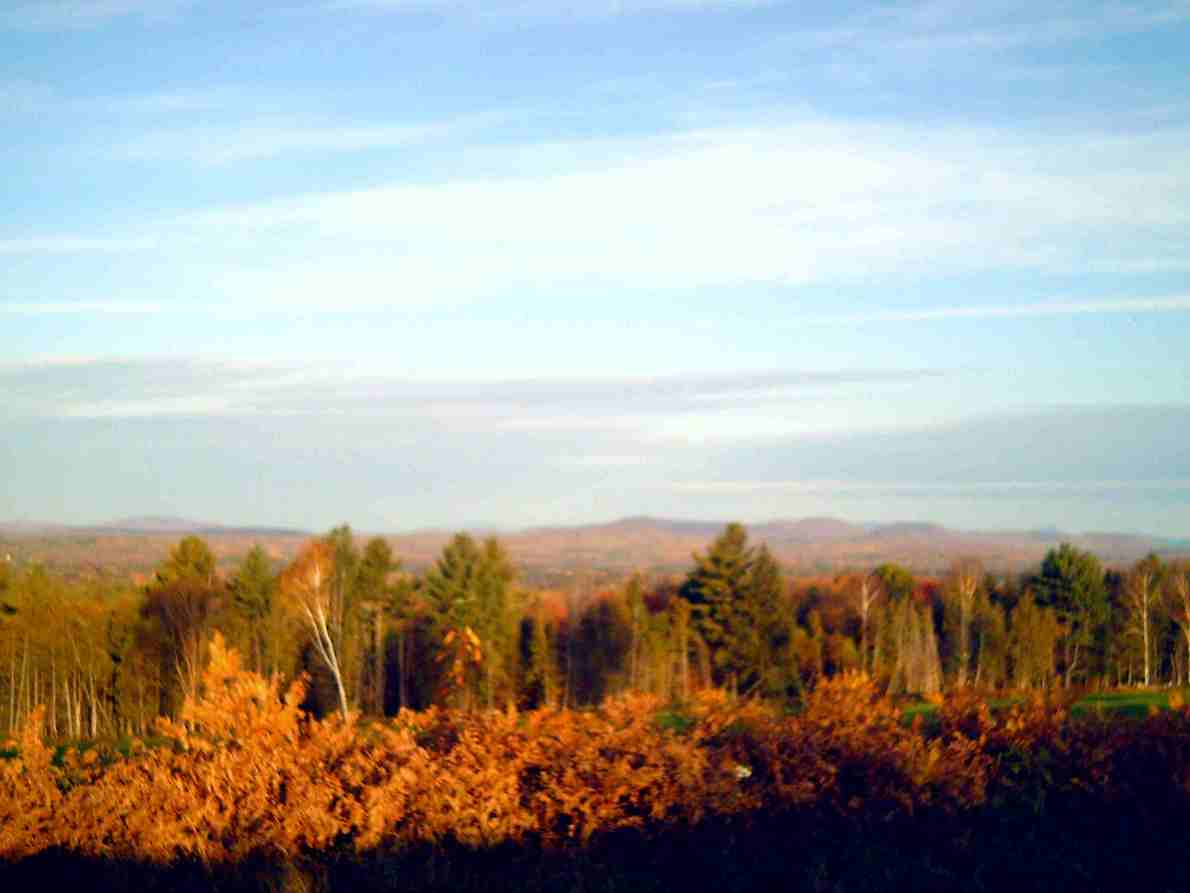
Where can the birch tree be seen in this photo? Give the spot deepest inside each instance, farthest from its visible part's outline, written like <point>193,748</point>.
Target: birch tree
<point>965,576</point>
<point>866,589</point>
<point>309,584</point>
<point>1177,589</point>
<point>1142,587</point>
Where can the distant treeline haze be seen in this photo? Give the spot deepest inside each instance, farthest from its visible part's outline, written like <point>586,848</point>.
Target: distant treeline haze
<point>106,659</point>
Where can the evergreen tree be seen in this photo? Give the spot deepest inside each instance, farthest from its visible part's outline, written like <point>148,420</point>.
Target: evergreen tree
<point>541,675</point>
<point>374,596</point>
<point>1177,600</point>
<point>762,631</point>
<point>1070,582</point>
<point>345,595</point>
<point>179,608</point>
<point>470,588</point>
<point>253,592</point>
<point>897,582</point>
<point>720,591</point>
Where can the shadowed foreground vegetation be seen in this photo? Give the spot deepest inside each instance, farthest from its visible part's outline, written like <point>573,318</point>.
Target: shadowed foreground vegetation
<point>255,794</point>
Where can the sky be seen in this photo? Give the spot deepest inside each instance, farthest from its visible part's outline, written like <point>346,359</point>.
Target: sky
<point>440,263</point>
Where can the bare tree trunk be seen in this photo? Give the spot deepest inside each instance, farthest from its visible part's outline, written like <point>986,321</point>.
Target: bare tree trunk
<point>685,646</point>
<point>868,592</point>
<point>966,600</point>
<point>1140,586</point>
<point>1145,636</point>
<point>1186,631</point>
<point>96,704</point>
<point>571,629</point>
<point>325,647</point>
<point>402,670</point>
<point>378,661</point>
<point>23,698</point>
<point>1072,655</point>
<point>53,714</point>
<point>12,683</point>
<point>634,662</point>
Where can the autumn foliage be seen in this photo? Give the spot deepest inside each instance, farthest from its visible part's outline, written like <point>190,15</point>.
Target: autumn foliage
<point>248,773</point>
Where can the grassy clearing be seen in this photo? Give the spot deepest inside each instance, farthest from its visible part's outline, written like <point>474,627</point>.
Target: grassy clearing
<point>1134,703</point>
<point>1128,703</point>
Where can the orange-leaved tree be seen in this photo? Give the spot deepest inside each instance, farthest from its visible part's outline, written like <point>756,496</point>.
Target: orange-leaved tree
<point>308,584</point>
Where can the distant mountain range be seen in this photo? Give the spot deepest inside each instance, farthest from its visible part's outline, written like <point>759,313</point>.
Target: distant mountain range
<point>820,530</point>
<point>143,524</point>
<point>805,546</point>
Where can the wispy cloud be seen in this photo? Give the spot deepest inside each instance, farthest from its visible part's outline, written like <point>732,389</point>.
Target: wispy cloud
<point>789,201</point>
<point>935,26</point>
<point>930,487</point>
<point>23,96</point>
<point>793,199</point>
<point>62,384</point>
<point>107,388</point>
<point>544,9</point>
<point>90,308</point>
<point>65,244</point>
<point>792,203</point>
<point>184,100</point>
<point>1076,449</point>
<point>442,452</point>
<point>345,280</point>
<point>1174,304</point>
<point>66,14</point>
<point>599,460</point>
<point>255,141</point>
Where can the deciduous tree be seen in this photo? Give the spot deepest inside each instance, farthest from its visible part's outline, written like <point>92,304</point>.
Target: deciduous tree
<point>309,584</point>
<point>1143,587</point>
<point>963,582</point>
<point>181,604</point>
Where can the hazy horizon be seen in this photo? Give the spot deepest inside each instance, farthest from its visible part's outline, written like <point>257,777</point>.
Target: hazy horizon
<point>414,264</point>
<point>167,524</point>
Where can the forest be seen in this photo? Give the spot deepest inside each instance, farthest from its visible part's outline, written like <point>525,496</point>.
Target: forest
<point>106,658</point>
<point>337,722</point>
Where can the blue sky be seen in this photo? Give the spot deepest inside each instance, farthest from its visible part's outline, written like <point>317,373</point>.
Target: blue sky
<point>417,263</point>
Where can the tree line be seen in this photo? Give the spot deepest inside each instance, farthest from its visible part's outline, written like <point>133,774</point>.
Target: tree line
<point>106,657</point>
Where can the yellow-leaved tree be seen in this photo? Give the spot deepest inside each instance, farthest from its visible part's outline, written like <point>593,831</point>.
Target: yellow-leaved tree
<point>308,585</point>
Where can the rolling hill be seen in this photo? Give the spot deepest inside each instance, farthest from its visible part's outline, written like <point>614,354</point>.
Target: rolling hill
<point>805,547</point>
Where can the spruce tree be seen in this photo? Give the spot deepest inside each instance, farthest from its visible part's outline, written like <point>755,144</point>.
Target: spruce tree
<point>734,593</point>
<point>253,594</point>
<point>470,587</point>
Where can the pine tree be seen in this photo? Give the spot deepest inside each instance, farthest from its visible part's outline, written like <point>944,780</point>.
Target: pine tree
<point>180,606</point>
<point>760,637</point>
<point>470,588</point>
<point>1071,583</point>
<point>717,589</point>
<point>541,678</point>
<point>375,596</point>
<point>253,592</point>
